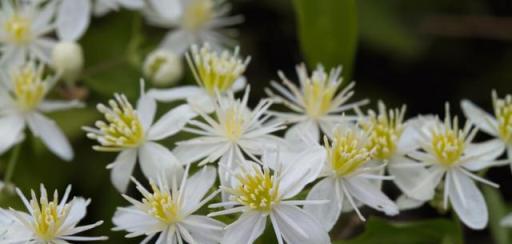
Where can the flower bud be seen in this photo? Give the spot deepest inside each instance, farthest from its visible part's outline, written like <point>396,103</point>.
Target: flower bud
<point>68,60</point>
<point>163,67</point>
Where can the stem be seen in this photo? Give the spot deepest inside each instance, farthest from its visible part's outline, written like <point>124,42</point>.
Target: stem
<point>13,160</point>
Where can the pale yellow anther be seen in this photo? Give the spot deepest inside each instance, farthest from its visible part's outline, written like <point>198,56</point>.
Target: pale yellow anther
<point>233,122</point>
<point>448,142</point>
<point>258,191</point>
<point>197,14</point>
<point>28,87</point>
<point>18,29</point>
<point>48,218</point>
<point>503,113</point>
<point>319,91</point>
<point>161,205</point>
<point>347,152</point>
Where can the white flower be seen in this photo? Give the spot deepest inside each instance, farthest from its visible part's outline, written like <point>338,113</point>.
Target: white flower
<point>168,211</point>
<point>193,22</point>
<point>22,103</point>
<point>68,60</point>
<point>163,67</point>
<point>23,29</point>
<point>499,125</point>
<point>235,130</point>
<point>259,193</point>
<point>132,133</point>
<point>450,155</point>
<point>316,104</point>
<point>49,221</point>
<point>506,221</point>
<point>102,7</point>
<point>215,72</point>
<point>348,177</point>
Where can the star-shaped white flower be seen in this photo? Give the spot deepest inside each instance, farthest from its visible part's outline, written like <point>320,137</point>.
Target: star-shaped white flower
<point>317,103</point>
<point>192,22</point>
<point>499,125</point>
<point>24,26</point>
<point>48,221</point>
<point>260,193</point>
<point>449,154</point>
<point>214,71</point>
<point>132,133</point>
<point>167,210</point>
<point>348,176</point>
<point>22,104</point>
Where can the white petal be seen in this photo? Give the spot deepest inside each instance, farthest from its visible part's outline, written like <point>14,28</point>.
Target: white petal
<point>132,219</point>
<point>146,109</point>
<point>197,186</point>
<point>289,218</point>
<point>204,228</point>
<point>173,94</point>
<point>406,178</point>
<point>239,84</point>
<point>472,209</point>
<point>407,203</point>
<point>132,4</point>
<point>77,212</point>
<point>53,106</point>
<point>169,9</point>
<point>409,139</point>
<point>297,131</point>
<point>156,160</point>
<point>479,117</point>
<point>73,18</point>
<point>506,221</point>
<point>370,195</point>
<point>122,169</point>
<point>202,102</point>
<point>11,129</point>
<point>424,188</point>
<point>483,155</point>
<point>51,135</point>
<point>171,122</point>
<point>192,153</point>
<point>326,214</point>
<point>178,41</point>
<point>246,229</point>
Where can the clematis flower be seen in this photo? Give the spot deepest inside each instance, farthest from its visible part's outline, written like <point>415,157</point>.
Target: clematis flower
<point>132,133</point>
<point>348,176</point>
<point>316,104</point>
<point>22,104</point>
<point>192,22</point>
<point>215,72</point>
<point>48,221</point>
<point>450,156</point>
<point>499,125</point>
<point>260,193</point>
<point>24,26</point>
<point>167,211</point>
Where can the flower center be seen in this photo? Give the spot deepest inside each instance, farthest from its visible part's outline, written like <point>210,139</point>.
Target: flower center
<point>319,92</point>
<point>29,88</point>
<point>258,191</point>
<point>216,71</point>
<point>503,113</point>
<point>122,128</point>
<point>18,29</point>
<point>384,130</point>
<point>347,152</point>
<point>47,217</point>
<point>448,146</point>
<point>161,205</point>
<point>233,122</point>
<point>197,14</point>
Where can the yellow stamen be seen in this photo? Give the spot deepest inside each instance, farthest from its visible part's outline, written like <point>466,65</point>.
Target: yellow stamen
<point>448,141</point>
<point>29,88</point>
<point>48,218</point>
<point>233,122</point>
<point>18,29</point>
<point>347,152</point>
<point>197,13</point>
<point>161,205</point>
<point>503,113</point>
<point>258,190</point>
<point>319,91</point>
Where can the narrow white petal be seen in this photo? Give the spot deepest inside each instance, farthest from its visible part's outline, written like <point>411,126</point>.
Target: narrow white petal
<point>197,186</point>
<point>370,195</point>
<point>11,129</point>
<point>122,169</point>
<point>51,135</point>
<point>73,18</point>
<point>156,160</point>
<point>480,118</point>
<point>293,222</point>
<point>246,229</point>
<point>171,122</point>
<point>174,94</point>
<point>326,214</point>
<point>146,109</point>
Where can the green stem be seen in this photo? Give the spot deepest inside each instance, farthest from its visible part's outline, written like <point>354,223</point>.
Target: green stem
<point>13,160</point>
<point>459,228</point>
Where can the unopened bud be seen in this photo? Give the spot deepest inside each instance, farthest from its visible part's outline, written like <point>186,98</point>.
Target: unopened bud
<point>68,60</point>
<point>163,67</point>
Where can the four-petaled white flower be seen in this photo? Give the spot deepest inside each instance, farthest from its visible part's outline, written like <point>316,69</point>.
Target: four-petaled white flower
<point>22,102</point>
<point>132,133</point>
<point>348,176</point>
<point>260,193</point>
<point>499,125</point>
<point>449,154</point>
<point>317,103</point>
<point>23,29</point>
<point>48,221</point>
<point>215,73</point>
<point>192,22</point>
<point>168,210</point>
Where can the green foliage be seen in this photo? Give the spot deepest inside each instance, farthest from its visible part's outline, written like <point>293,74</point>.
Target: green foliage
<point>497,210</point>
<point>328,32</point>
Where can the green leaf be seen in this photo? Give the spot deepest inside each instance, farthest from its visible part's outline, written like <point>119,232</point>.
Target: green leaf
<point>328,32</point>
<point>497,210</point>
<point>418,232</point>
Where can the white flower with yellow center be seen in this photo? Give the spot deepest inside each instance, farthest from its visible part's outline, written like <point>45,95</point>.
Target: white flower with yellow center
<point>49,221</point>
<point>214,71</point>
<point>499,125</point>
<point>22,103</point>
<point>131,132</point>
<point>167,210</point>
<point>348,176</point>
<point>449,154</point>
<point>261,193</point>
<point>317,103</point>
<point>192,22</point>
<point>24,26</point>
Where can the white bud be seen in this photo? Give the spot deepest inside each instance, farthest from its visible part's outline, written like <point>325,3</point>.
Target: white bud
<point>68,60</point>
<point>163,67</point>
